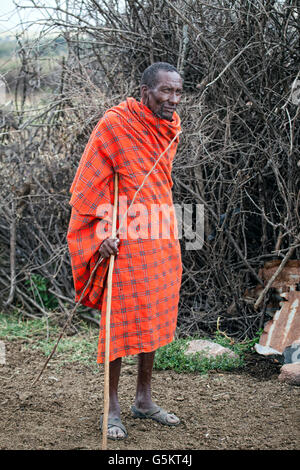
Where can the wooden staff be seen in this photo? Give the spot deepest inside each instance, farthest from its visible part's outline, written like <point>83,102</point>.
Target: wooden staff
<point>107,323</point>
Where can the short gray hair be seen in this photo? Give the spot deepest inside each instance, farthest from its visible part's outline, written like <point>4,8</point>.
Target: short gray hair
<point>149,76</point>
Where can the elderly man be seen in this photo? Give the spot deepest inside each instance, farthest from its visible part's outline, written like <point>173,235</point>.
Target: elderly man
<point>129,139</point>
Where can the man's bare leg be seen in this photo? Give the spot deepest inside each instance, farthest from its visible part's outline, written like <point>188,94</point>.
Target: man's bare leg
<point>114,407</point>
<point>143,399</point>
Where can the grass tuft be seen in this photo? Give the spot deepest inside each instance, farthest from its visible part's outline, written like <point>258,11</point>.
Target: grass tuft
<point>40,334</point>
<point>172,356</point>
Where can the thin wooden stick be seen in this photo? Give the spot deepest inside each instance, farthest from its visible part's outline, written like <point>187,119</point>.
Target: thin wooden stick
<point>107,323</point>
<point>68,321</point>
<point>144,181</point>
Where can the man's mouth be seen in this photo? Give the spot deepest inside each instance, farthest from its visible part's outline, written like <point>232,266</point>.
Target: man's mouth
<point>169,110</point>
<point>166,112</point>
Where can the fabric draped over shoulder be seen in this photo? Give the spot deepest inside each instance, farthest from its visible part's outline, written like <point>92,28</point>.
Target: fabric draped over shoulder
<point>128,140</point>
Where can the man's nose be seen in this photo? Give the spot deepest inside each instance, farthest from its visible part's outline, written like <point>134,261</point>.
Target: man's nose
<point>174,98</point>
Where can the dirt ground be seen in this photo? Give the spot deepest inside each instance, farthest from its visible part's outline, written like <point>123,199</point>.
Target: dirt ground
<point>246,409</point>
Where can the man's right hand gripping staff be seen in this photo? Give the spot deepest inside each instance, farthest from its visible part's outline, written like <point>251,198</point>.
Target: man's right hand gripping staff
<point>109,247</point>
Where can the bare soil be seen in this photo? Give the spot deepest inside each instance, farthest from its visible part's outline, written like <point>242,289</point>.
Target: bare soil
<point>245,409</point>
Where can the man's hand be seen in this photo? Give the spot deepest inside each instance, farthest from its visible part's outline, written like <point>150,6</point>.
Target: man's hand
<point>109,247</point>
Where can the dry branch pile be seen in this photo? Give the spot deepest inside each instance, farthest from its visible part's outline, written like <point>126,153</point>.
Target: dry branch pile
<point>238,154</point>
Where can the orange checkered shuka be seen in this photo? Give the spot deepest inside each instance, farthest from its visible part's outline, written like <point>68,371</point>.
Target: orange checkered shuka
<point>128,140</point>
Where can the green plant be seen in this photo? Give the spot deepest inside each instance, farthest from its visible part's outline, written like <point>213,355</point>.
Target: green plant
<point>240,347</point>
<point>248,344</point>
<point>39,287</point>
<point>172,356</point>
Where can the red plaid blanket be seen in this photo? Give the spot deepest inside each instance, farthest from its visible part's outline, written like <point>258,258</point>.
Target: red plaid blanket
<point>147,271</point>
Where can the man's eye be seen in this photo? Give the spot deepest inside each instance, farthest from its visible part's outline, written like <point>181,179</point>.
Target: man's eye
<point>168,90</point>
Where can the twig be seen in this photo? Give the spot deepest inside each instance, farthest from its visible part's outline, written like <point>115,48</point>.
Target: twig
<point>67,323</point>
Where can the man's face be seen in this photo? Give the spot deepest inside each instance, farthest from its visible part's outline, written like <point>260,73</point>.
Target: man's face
<point>165,96</point>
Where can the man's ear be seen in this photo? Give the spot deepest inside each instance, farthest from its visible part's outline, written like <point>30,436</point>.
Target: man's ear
<point>144,92</point>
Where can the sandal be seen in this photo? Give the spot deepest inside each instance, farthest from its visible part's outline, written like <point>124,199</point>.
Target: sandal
<point>114,422</point>
<point>157,414</point>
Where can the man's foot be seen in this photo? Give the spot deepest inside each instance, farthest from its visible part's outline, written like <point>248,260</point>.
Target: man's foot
<point>157,414</point>
<point>115,428</point>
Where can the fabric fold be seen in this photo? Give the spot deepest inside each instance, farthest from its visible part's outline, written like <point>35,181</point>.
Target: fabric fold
<point>147,272</point>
